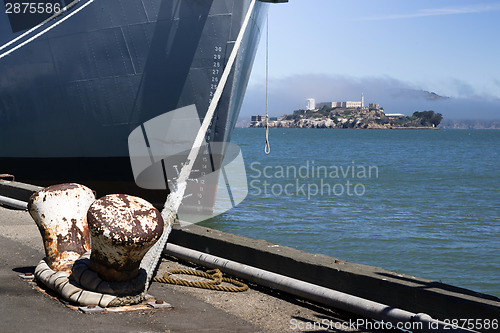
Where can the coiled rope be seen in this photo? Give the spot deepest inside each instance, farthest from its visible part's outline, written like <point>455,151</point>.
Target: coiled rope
<point>215,279</point>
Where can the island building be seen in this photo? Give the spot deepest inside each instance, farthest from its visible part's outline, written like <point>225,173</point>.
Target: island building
<point>310,104</point>
<point>346,104</point>
<point>257,119</point>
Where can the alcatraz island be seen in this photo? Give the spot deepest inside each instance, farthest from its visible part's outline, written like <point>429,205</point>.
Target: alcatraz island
<point>349,114</point>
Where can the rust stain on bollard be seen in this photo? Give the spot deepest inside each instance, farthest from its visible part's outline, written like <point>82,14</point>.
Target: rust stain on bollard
<point>60,214</point>
<point>122,229</point>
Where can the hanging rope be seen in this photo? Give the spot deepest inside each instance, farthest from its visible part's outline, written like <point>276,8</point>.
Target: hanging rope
<point>267,148</point>
<point>214,276</point>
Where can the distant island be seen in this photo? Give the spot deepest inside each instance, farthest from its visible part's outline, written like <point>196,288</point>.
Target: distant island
<point>350,115</point>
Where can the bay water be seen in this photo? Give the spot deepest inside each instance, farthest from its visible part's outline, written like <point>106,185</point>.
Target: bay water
<point>419,202</point>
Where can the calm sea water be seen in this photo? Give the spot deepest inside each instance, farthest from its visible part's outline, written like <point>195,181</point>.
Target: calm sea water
<point>419,202</point>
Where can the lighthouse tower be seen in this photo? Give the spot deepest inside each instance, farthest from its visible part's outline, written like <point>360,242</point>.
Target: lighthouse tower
<point>362,100</point>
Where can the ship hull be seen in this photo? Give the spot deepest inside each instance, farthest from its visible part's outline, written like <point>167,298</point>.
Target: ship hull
<point>70,97</point>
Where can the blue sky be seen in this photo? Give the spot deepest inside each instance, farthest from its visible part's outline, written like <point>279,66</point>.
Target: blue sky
<point>391,50</point>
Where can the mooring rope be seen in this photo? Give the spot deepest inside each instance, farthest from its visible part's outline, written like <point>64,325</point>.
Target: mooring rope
<point>214,283</point>
<point>175,197</point>
<point>65,285</point>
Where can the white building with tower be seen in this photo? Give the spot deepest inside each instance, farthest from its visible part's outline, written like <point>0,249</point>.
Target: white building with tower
<point>310,104</point>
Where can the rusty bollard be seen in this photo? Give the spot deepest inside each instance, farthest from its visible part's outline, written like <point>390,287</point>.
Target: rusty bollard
<point>60,212</point>
<point>122,229</point>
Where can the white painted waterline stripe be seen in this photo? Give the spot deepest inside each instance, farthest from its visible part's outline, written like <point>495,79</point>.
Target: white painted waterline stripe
<point>330,297</point>
<point>39,25</point>
<point>44,31</point>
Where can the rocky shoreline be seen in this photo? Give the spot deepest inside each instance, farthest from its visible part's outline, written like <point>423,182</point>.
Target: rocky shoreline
<point>361,118</point>
<point>329,123</point>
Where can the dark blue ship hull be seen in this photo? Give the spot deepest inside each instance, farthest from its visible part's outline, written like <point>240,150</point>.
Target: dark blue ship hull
<point>73,89</point>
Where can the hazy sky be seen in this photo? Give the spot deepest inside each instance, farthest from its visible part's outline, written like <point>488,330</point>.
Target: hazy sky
<point>391,50</point>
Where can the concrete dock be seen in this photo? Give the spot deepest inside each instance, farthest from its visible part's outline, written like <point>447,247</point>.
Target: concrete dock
<point>24,309</point>
<point>257,310</point>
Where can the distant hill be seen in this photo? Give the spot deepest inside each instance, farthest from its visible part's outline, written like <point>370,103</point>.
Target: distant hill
<point>419,94</point>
